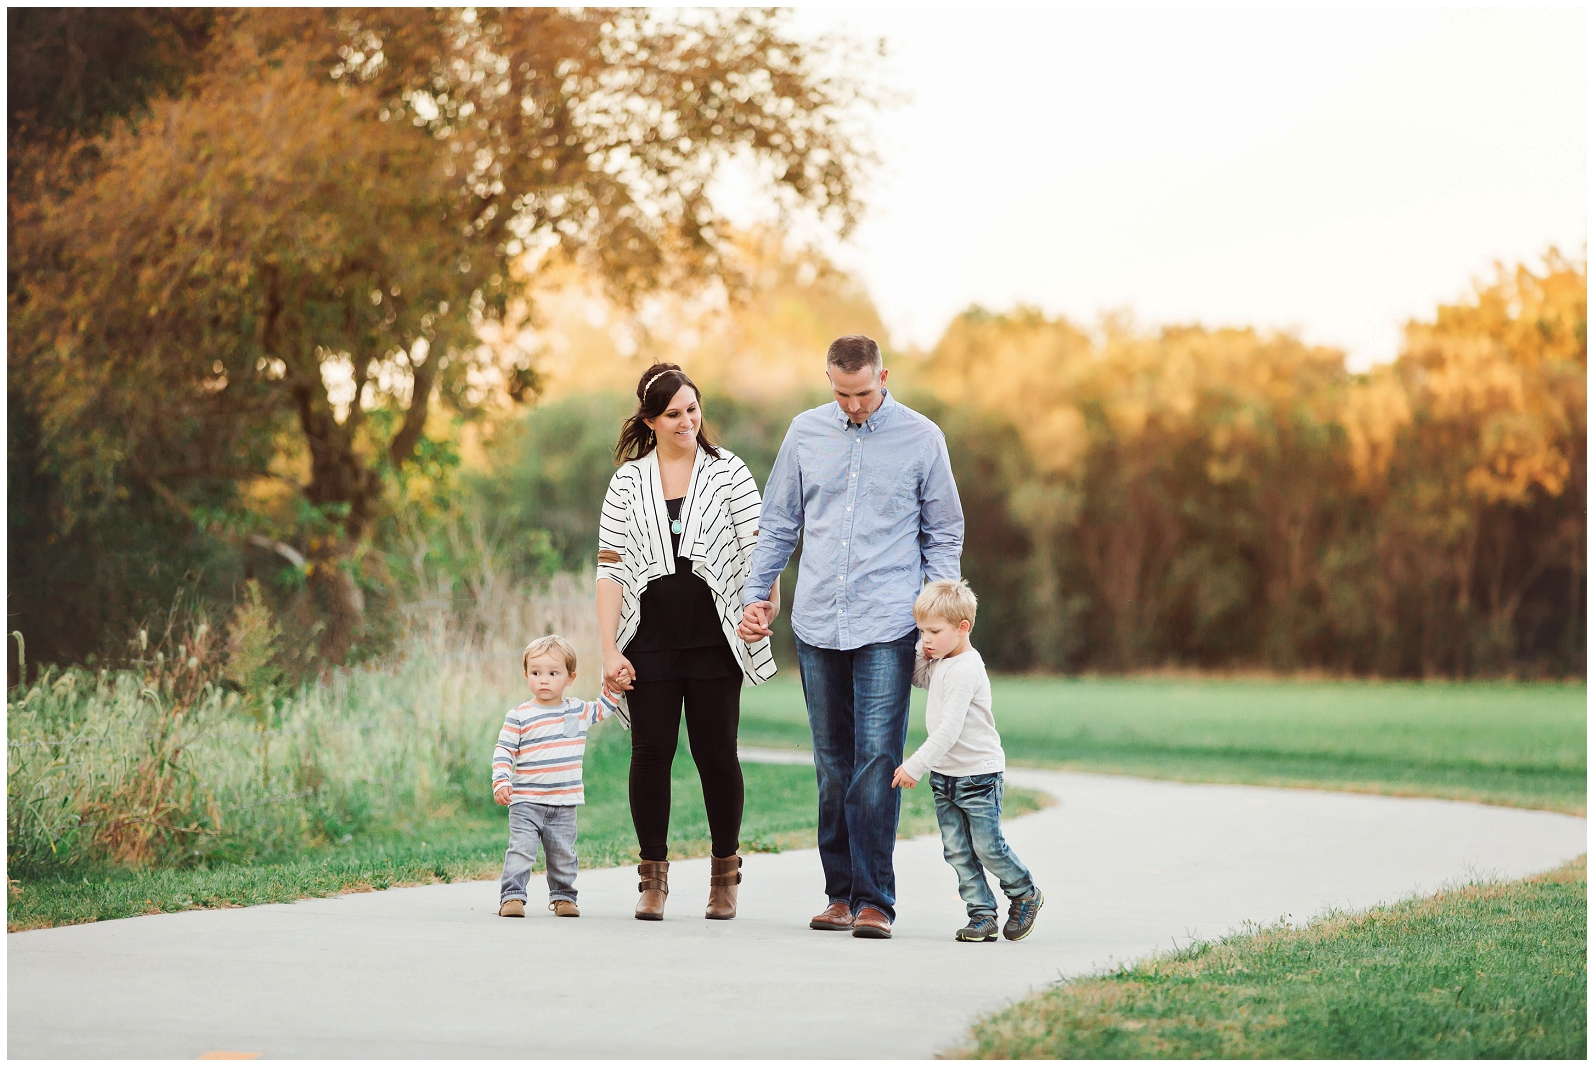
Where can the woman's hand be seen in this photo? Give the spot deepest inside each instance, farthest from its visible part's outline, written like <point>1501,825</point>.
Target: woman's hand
<point>756,620</point>
<point>618,674</point>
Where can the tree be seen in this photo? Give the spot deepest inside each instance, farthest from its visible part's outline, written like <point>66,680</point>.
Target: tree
<point>1487,482</point>
<point>279,273</point>
<point>71,69</point>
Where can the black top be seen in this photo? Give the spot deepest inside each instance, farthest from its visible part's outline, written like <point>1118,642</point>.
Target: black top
<point>680,634</point>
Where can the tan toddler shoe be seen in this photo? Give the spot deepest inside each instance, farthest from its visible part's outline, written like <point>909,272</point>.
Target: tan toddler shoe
<point>512,909</point>
<point>565,909</point>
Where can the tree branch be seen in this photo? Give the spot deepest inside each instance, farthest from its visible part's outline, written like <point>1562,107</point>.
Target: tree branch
<point>287,552</point>
<point>402,448</point>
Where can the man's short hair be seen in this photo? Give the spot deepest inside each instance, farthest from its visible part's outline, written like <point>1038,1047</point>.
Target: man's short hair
<point>553,644</point>
<point>853,353</point>
<point>947,598</point>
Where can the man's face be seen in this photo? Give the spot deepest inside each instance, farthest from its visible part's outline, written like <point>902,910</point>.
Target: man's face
<point>858,392</point>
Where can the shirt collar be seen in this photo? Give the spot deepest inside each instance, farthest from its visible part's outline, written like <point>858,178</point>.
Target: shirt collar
<point>881,415</point>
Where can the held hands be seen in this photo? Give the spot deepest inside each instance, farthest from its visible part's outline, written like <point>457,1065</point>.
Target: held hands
<point>756,620</point>
<point>900,780</point>
<point>618,674</point>
<point>501,795</point>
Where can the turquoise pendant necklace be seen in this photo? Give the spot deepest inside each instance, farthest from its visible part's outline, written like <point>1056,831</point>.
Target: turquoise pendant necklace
<point>675,526</point>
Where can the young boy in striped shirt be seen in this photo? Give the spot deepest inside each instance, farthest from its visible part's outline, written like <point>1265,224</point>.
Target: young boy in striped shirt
<point>537,775</point>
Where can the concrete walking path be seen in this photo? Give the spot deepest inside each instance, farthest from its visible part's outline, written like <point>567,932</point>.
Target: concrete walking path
<point>1128,867</point>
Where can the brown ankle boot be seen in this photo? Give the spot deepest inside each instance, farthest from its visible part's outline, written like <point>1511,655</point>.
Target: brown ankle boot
<point>722,883</point>
<point>654,885</point>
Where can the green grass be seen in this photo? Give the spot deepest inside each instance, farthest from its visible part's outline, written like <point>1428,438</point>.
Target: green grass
<point>1519,744</point>
<point>781,813</point>
<point>1483,972</point>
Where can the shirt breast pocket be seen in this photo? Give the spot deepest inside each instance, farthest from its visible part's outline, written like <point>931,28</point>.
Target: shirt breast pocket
<point>572,724</point>
<point>894,493</point>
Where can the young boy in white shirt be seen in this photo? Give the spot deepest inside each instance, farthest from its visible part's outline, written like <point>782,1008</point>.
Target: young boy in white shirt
<point>963,756</point>
<point>537,775</point>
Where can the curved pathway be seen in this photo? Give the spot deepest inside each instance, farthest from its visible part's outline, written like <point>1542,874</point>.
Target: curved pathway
<point>1128,867</point>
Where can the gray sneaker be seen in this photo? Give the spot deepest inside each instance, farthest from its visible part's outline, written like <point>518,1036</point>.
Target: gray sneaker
<point>1021,912</point>
<point>979,929</point>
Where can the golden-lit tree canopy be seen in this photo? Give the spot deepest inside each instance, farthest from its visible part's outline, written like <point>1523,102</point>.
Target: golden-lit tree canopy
<point>1218,496</point>
<point>351,301</point>
<point>312,234</point>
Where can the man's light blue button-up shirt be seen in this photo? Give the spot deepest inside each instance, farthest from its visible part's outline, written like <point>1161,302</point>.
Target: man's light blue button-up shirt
<point>879,514</point>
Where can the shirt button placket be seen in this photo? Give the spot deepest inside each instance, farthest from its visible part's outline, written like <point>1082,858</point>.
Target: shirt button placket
<point>854,463</point>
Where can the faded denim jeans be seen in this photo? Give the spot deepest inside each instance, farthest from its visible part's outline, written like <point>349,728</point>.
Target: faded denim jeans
<point>858,711</point>
<point>969,809</point>
<point>555,826</point>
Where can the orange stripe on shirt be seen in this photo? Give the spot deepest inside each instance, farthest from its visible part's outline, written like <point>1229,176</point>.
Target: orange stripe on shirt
<point>563,742</point>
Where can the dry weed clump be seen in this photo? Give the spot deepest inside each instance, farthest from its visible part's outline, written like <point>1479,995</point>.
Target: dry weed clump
<point>198,753</point>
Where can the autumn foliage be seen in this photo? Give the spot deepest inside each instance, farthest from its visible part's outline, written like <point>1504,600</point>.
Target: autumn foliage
<point>1223,498</point>
<point>277,275</point>
<point>282,270</point>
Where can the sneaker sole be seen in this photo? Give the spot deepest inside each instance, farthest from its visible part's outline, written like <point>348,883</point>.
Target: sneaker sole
<point>973,940</point>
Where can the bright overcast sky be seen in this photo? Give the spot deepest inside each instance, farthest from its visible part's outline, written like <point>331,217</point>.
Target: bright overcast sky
<point>1329,172</point>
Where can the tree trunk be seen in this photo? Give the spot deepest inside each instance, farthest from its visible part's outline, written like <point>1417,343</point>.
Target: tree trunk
<point>338,476</point>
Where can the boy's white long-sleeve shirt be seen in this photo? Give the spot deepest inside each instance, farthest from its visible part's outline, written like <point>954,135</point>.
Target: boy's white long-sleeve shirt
<point>963,738</point>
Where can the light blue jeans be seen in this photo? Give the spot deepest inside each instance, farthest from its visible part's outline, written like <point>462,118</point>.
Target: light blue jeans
<point>969,809</point>
<point>555,826</point>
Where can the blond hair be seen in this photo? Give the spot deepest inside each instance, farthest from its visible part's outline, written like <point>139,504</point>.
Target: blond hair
<point>544,646</point>
<point>947,598</point>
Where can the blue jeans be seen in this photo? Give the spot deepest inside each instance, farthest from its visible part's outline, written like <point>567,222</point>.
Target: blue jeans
<point>555,826</point>
<point>858,711</point>
<point>969,809</point>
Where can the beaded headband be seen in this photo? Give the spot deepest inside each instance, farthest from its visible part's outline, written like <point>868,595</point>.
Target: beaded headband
<point>651,380</point>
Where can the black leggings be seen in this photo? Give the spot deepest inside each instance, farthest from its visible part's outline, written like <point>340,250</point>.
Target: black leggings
<point>713,710</point>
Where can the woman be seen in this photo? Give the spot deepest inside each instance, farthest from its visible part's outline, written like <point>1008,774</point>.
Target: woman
<point>678,525</point>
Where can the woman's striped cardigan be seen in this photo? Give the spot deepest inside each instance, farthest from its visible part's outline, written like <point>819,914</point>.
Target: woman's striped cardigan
<point>720,527</point>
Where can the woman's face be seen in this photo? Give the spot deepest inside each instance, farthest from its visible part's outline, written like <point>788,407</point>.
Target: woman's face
<point>679,422</point>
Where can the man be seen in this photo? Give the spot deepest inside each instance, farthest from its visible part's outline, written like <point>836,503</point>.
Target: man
<point>868,484</point>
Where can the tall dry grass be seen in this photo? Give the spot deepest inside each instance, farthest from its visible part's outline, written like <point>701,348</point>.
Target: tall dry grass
<point>173,761</point>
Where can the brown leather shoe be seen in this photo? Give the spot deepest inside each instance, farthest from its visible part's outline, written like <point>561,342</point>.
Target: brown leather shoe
<point>565,909</point>
<point>654,885</point>
<point>725,877</point>
<point>836,917</point>
<point>871,922</point>
<point>512,909</point>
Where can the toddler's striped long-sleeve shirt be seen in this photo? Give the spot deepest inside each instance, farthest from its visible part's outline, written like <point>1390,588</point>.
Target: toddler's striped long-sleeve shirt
<point>540,748</point>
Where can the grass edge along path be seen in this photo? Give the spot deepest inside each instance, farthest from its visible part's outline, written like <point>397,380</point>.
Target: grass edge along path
<point>1488,970</point>
<point>1519,745</point>
<point>781,814</point>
